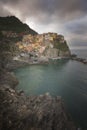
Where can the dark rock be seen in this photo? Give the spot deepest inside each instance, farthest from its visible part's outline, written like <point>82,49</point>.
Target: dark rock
<point>15,64</point>
<point>18,112</point>
<point>84,61</point>
<point>9,79</point>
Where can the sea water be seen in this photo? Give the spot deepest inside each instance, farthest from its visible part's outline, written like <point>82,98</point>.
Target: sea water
<point>65,78</point>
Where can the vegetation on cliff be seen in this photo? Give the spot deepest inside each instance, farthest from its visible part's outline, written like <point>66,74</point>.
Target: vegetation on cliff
<point>12,23</point>
<point>62,47</point>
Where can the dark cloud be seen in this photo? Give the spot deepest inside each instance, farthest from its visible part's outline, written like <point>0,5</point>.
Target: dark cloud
<point>9,1</point>
<point>78,28</point>
<point>63,9</point>
<point>78,42</point>
<point>61,13</point>
<point>3,11</point>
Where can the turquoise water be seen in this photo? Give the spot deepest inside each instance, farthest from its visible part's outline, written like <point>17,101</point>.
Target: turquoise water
<point>64,78</point>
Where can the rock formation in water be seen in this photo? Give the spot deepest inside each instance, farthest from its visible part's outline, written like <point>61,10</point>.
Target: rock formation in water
<point>18,112</point>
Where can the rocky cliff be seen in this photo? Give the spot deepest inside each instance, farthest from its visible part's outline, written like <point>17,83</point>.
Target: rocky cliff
<point>18,112</point>
<point>47,45</point>
<point>56,46</point>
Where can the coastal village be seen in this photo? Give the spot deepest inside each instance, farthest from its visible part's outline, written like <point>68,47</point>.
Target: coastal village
<point>11,34</point>
<point>33,48</point>
<point>39,42</point>
<point>41,47</point>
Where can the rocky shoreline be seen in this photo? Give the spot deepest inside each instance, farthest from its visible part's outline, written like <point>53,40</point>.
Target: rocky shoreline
<point>19,112</point>
<point>84,61</point>
<point>79,59</point>
<point>14,64</point>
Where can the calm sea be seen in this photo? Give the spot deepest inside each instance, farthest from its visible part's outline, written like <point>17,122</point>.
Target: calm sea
<point>65,78</point>
<point>82,53</point>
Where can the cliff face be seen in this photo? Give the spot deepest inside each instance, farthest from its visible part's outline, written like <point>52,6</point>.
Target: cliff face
<point>18,112</point>
<point>56,46</point>
<point>51,52</point>
<point>48,45</point>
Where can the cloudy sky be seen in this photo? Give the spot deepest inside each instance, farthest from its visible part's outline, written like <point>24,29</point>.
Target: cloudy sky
<point>67,17</point>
